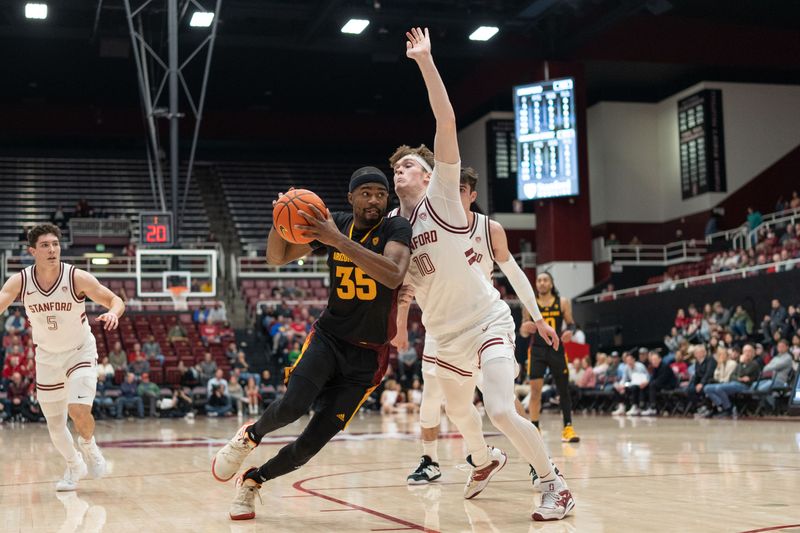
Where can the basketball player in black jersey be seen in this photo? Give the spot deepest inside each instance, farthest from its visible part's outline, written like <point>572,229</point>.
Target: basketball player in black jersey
<point>556,311</point>
<point>346,353</point>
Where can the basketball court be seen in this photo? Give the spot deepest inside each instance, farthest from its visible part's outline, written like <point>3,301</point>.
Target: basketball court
<point>634,474</point>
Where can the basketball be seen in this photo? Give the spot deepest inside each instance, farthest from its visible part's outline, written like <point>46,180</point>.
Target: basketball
<point>285,215</point>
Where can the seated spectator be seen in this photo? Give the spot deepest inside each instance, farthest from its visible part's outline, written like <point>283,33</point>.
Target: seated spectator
<point>83,209</point>
<point>410,366</point>
<point>208,368</point>
<point>218,380</point>
<point>118,357</point>
<point>152,350</point>
<point>177,406</point>
<point>130,249</point>
<point>135,352</point>
<point>741,324</point>
<point>18,391</point>
<point>103,403</point>
<point>612,239</point>
<point>232,352</point>
<point>774,321</point>
<point>252,396</point>
<point>217,315</point>
<point>30,351</point>
<point>12,366</point>
<point>294,353</point>
<point>776,373</point>
<point>721,315</point>
<point>219,403</point>
<point>209,333</point>
<point>15,324</point>
<point>236,392</point>
<point>391,398</point>
<point>149,392</point>
<point>680,368</point>
<point>190,376</point>
<point>226,333</point>
<point>415,395</point>
<point>177,333</point>
<point>578,336</point>
<point>725,364</point>
<point>243,367</point>
<point>630,388</point>
<point>587,378</point>
<point>140,366</point>
<point>681,320</point>
<point>105,369</point>
<point>663,379</point>
<point>59,217</point>
<point>200,315</point>
<point>741,379</point>
<point>128,397</point>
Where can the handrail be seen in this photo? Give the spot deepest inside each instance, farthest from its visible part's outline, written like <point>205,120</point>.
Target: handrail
<point>685,282</point>
<point>752,234</point>
<point>657,254</point>
<point>257,267</point>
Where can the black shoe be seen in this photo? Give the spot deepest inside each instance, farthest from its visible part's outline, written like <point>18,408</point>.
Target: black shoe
<point>426,472</point>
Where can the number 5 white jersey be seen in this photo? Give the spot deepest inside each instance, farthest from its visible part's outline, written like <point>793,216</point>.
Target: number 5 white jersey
<point>57,314</point>
<point>449,284</point>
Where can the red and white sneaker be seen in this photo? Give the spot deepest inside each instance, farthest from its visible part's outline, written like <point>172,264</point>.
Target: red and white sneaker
<point>229,459</point>
<point>480,475</point>
<point>557,502</point>
<point>243,506</point>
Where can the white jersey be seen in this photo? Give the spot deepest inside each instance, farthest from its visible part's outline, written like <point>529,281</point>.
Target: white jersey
<point>449,284</point>
<point>57,315</point>
<point>482,244</point>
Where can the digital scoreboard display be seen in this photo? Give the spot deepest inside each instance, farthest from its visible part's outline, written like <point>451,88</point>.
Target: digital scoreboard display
<point>155,229</point>
<point>701,143</point>
<point>547,140</point>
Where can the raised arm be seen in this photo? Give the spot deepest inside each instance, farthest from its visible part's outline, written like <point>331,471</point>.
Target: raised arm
<point>10,291</point>
<point>88,285</point>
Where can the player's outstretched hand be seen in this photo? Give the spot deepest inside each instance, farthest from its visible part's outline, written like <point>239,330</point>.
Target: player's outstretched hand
<point>418,45</point>
<point>321,226</point>
<point>111,320</point>
<point>548,333</point>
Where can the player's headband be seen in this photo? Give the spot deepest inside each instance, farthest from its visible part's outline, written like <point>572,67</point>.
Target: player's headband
<point>414,157</point>
<point>368,175</point>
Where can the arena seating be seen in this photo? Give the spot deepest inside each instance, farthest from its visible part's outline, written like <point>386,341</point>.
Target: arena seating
<point>255,290</point>
<point>32,188</point>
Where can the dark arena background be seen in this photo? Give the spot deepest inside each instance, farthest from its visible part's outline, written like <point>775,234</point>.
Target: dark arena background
<point>645,153</point>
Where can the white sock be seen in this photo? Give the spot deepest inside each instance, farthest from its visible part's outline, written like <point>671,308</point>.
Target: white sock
<point>431,449</point>
<point>83,442</point>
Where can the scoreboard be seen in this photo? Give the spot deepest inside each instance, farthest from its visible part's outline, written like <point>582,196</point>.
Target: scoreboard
<point>701,143</point>
<point>547,141</point>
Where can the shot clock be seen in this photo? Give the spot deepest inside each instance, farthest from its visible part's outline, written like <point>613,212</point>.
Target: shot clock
<point>155,228</point>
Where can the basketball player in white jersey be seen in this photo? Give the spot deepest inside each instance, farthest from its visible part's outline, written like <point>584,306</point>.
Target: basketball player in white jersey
<point>473,327</point>
<point>490,244</point>
<point>53,294</point>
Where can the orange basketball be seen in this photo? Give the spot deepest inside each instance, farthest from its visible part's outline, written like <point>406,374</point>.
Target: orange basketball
<point>285,215</point>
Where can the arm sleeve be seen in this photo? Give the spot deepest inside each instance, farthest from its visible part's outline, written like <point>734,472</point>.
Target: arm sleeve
<point>522,286</point>
<point>444,196</point>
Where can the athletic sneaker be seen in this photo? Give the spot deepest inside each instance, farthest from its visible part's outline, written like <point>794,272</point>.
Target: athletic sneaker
<point>649,412</point>
<point>537,481</point>
<point>557,502</point>
<point>633,411</point>
<point>568,435</point>
<point>76,470</point>
<point>244,505</point>
<point>427,471</point>
<point>95,461</point>
<point>229,459</point>
<point>620,410</point>
<point>480,475</point>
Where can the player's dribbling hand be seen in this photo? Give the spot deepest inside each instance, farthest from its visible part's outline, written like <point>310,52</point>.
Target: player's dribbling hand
<point>548,333</point>
<point>111,320</point>
<point>321,227</point>
<point>418,45</point>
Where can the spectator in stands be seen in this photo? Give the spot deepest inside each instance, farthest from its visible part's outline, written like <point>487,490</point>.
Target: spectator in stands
<point>236,392</point>
<point>218,380</point>
<point>612,239</point>
<point>754,218</point>
<point>680,368</point>
<point>219,403</point>
<point>178,406</point>
<point>209,333</point>
<point>59,217</point>
<point>774,321</point>
<point>19,396</point>
<point>177,333</point>
<point>630,388</point>
<point>252,397</point>
<point>587,378</point>
<point>200,314</point>
<point>578,336</point>
<point>681,320</point>
<point>712,225</point>
<point>13,365</point>
<point>217,315</point>
<point>727,360</point>
<point>118,356</point>
<point>135,352</point>
<point>644,357</point>
<point>742,378</point>
<point>149,392</point>
<point>190,376</point>
<point>29,351</point>
<point>294,353</point>
<point>777,372</point>
<point>243,367</point>
<point>741,324</point>
<point>130,249</point>
<point>662,379</point>
<point>23,234</point>
<point>140,366</point>
<point>391,397</point>
<point>153,350</point>
<point>704,368</point>
<point>208,367</point>
<point>226,333</point>
<point>105,368</point>
<point>721,314</point>
<point>794,202</point>
<point>635,241</point>
<point>410,366</point>
<point>83,209</point>
<point>232,352</point>
<point>15,324</point>
<point>103,403</point>
<point>128,397</point>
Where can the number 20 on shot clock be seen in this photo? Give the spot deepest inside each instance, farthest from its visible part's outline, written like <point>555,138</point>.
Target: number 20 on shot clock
<point>155,228</point>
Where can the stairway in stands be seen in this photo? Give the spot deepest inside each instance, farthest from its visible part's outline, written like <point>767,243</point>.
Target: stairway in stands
<point>220,222</point>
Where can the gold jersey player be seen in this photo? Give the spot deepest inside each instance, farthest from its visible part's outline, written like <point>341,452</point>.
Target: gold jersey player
<point>53,294</point>
<point>346,353</point>
<point>557,312</point>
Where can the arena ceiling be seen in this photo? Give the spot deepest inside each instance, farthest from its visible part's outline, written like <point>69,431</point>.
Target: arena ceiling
<point>278,55</point>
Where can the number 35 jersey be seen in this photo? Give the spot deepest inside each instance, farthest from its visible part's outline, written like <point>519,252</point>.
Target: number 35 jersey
<point>57,314</point>
<point>361,310</point>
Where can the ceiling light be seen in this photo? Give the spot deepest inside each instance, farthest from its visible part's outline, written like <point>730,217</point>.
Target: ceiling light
<point>484,33</point>
<point>201,19</point>
<point>35,11</point>
<point>355,26</point>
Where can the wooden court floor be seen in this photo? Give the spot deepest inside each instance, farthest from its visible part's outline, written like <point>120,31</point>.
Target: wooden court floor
<point>637,475</point>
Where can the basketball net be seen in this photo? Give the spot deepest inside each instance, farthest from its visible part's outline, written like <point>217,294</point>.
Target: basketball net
<point>178,294</point>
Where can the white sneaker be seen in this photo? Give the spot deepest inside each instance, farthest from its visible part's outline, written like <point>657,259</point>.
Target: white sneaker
<point>243,506</point>
<point>557,502</point>
<point>634,411</point>
<point>428,471</point>
<point>94,458</point>
<point>480,475</point>
<point>620,410</point>
<point>649,412</point>
<point>229,459</point>
<point>75,472</point>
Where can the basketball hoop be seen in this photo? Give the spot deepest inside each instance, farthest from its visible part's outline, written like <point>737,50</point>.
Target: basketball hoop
<point>178,294</point>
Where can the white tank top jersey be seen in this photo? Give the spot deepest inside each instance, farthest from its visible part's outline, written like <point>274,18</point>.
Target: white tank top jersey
<point>450,285</point>
<point>482,244</point>
<point>58,316</point>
